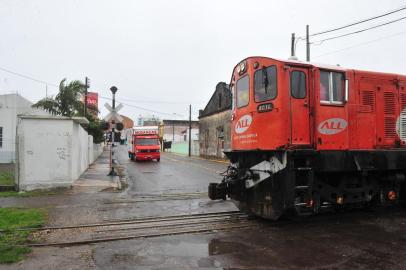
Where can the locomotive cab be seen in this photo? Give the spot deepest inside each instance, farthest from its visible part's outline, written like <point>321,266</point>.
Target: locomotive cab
<point>303,138</point>
<point>267,91</point>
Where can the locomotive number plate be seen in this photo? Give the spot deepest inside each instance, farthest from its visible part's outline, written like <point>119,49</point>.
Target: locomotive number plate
<point>266,107</point>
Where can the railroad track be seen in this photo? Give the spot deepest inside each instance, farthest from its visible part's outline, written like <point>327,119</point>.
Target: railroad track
<point>139,228</point>
<point>161,197</point>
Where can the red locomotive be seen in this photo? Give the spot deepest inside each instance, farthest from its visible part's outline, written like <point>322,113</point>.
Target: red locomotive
<point>307,137</point>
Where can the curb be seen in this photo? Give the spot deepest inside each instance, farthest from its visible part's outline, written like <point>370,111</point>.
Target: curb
<point>199,158</point>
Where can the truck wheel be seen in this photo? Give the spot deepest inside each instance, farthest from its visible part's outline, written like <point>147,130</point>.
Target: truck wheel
<point>158,159</point>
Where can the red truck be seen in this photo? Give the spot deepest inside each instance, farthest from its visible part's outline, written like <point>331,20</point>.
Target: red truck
<point>145,144</point>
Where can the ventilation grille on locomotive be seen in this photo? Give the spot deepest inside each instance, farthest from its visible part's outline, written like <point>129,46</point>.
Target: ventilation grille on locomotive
<point>402,118</point>
<point>390,115</point>
<point>390,103</point>
<point>368,99</point>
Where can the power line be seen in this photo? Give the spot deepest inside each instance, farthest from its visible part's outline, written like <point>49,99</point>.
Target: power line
<point>360,44</point>
<point>142,108</point>
<point>161,102</point>
<point>28,77</point>
<point>359,31</point>
<point>359,22</point>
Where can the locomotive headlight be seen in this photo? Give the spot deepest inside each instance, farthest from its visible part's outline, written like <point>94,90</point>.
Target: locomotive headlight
<point>238,68</point>
<point>243,66</point>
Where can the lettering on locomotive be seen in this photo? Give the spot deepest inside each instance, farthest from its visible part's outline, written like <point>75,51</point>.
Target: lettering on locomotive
<point>243,124</point>
<point>332,126</point>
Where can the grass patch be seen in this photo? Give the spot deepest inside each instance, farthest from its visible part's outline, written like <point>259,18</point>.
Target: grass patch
<point>33,193</point>
<point>6,178</point>
<point>11,240</point>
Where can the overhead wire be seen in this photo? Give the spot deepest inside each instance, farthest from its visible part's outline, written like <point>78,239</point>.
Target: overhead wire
<point>158,101</point>
<point>130,105</point>
<point>28,77</point>
<point>142,108</point>
<point>359,22</point>
<point>358,31</point>
<point>360,44</point>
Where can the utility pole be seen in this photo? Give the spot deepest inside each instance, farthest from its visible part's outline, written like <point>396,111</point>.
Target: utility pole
<point>190,130</point>
<point>307,44</point>
<point>113,90</point>
<point>86,88</point>
<point>292,46</point>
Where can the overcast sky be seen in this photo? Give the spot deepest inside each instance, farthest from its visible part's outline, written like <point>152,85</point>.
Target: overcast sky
<point>163,55</point>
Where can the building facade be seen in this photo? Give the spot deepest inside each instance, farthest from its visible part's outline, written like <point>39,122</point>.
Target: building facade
<point>177,133</point>
<point>12,105</point>
<point>150,120</point>
<point>215,123</point>
<point>178,130</point>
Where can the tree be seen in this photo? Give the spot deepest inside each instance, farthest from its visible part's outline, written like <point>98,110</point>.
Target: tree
<point>67,103</point>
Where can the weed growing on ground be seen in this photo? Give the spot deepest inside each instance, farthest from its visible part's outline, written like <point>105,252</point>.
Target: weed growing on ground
<point>12,240</point>
<point>33,193</point>
<point>6,178</point>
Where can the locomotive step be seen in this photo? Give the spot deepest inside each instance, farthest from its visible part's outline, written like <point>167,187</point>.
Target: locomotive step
<point>301,204</point>
<point>301,187</point>
<point>303,168</point>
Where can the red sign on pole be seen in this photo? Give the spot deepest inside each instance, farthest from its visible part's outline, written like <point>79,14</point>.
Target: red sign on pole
<point>93,102</point>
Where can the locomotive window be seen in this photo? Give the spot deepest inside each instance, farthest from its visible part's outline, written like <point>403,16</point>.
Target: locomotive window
<point>265,84</point>
<point>298,84</point>
<point>332,87</point>
<point>324,86</point>
<point>338,86</point>
<point>242,91</point>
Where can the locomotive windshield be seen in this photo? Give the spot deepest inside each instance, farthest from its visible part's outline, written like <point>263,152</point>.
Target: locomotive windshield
<point>242,91</point>
<point>265,84</point>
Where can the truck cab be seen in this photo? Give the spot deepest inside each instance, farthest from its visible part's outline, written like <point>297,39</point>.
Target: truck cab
<point>145,144</point>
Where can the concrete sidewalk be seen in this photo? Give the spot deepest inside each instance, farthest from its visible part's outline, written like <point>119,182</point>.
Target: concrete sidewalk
<point>97,174</point>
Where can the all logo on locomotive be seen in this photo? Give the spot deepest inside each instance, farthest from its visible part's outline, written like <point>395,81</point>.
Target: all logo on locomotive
<point>307,137</point>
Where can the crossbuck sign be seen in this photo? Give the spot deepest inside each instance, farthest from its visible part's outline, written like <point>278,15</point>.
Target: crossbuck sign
<point>113,115</point>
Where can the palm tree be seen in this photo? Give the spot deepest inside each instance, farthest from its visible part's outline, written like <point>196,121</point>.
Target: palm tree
<point>67,101</point>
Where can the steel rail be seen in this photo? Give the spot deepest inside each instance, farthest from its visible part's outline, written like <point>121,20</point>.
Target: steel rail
<point>214,221</point>
<point>146,235</point>
<point>134,221</point>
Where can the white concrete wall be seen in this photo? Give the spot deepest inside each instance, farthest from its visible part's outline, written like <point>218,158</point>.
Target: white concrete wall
<point>97,151</point>
<point>10,106</point>
<point>52,152</point>
<point>90,149</point>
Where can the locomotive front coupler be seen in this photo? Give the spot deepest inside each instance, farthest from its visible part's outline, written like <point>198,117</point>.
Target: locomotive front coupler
<point>232,181</point>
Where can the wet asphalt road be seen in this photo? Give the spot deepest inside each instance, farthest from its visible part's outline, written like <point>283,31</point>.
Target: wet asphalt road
<point>353,240</point>
<point>173,174</point>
